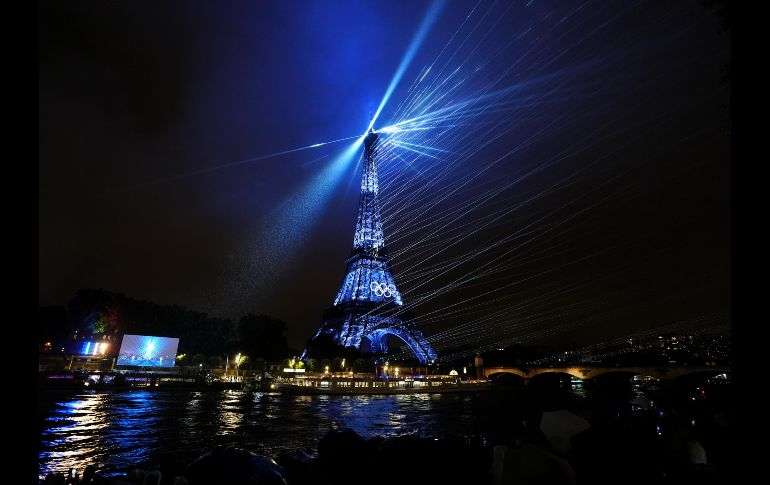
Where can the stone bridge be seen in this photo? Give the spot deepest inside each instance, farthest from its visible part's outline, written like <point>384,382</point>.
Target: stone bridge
<point>589,372</point>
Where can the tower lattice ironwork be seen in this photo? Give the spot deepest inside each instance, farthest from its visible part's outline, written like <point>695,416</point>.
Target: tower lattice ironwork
<point>368,306</point>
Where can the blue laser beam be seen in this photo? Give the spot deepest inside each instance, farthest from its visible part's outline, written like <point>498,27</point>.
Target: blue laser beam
<point>300,211</point>
<point>214,168</point>
<point>417,40</point>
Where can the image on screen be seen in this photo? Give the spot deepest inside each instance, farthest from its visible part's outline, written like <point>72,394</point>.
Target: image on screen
<point>148,351</point>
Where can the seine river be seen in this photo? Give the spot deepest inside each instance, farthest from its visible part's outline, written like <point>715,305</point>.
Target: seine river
<point>114,430</point>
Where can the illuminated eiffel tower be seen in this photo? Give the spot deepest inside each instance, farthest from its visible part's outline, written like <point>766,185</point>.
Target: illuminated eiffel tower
<point>368,307</point>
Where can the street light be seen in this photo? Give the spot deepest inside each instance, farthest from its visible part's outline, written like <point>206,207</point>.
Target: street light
<point>237,364</point>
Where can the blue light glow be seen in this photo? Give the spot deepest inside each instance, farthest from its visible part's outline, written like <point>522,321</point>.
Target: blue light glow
<point>417,40</point>
<point>301,210</point>
<point>215,168</point>
<point>147,351</point>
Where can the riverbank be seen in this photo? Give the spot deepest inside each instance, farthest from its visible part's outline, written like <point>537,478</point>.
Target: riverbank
<point>305,385</point>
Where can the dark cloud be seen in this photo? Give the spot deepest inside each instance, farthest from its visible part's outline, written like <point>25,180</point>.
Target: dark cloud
<point>132,63</point>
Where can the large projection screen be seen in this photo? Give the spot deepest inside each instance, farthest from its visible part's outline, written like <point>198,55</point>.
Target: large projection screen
<point>143,350</point>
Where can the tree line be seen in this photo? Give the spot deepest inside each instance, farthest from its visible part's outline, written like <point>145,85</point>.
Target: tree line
<point>96,313</point>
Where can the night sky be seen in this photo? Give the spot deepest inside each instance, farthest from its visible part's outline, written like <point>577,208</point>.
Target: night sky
<point>610,125</point>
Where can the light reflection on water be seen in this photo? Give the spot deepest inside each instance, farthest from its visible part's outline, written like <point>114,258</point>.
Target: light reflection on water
<point>230,413</point>
<point>117,429</point>
<point>96,428</point>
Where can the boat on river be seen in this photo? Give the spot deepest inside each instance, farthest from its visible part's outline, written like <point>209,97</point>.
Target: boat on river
<point>369,385</point>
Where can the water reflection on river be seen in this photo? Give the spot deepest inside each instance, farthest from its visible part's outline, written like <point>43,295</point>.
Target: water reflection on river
<point>114,430</point>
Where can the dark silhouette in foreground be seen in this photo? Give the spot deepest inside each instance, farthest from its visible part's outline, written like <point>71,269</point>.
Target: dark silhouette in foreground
<point>547,448</point>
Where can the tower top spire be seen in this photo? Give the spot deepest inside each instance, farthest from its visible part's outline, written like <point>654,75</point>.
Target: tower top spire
<point>368,235</point>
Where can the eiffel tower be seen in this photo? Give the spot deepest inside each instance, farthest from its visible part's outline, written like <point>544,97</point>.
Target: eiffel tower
<point>369,306</point>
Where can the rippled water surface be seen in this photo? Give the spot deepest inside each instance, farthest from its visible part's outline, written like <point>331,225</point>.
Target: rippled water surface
<point>117,429</point>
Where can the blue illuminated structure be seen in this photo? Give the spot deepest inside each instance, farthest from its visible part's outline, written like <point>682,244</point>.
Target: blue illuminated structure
<point>369,307</point>
<point>148,351</point>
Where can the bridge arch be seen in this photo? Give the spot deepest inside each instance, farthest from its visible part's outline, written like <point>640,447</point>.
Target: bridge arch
<point>589,372</point>
<point>508,371</point>
<point>566,371</point>
<point>611,372</point>
<point>549,378</point>
<point>528,373</point>
<point>508,379</point>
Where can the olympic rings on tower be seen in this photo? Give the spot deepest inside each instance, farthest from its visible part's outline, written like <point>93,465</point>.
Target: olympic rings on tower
<point>381,289</point>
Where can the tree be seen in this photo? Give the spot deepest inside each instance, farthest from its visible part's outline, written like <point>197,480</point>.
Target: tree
<point>363,365</point>
<point>324,347</point>
<point>96,312</point>
<point>263,336</point>
<point>215,362</point>
<point>101,311</point>
<point>259,364</point>
<point>243,363</point>
<point>53,326</point>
